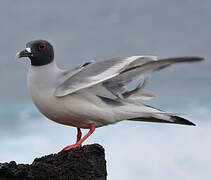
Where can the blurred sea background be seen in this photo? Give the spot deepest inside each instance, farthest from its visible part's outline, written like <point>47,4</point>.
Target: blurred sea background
<point>84,30</point>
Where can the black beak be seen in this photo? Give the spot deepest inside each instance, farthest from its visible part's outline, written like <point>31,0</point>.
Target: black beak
<point>23,53</point>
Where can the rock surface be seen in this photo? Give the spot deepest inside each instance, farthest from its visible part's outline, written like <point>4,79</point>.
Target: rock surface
<point>83,163</point>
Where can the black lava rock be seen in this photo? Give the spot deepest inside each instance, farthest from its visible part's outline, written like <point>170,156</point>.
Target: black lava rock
<point>82,163</point>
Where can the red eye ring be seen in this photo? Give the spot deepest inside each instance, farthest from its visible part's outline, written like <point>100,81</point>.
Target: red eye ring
<point>42,46</point>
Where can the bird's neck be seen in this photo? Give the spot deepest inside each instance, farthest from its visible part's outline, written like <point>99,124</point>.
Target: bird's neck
<point>47,74</point>
<point>48,68</point>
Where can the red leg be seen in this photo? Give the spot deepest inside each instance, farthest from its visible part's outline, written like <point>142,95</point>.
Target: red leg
<point>91,130</point>
<point>79,134</point>
<point>79,142</point>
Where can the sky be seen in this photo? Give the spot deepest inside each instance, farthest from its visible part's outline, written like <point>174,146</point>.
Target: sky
<point>86,30</point>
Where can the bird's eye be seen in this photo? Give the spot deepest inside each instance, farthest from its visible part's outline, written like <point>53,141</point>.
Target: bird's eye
<point>42,46</point>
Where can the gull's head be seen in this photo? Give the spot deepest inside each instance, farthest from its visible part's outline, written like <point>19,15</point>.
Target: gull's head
<point>40,52</point>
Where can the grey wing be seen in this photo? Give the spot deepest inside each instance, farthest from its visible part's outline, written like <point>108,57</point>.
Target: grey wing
<point>75,70</point>
<point>152,66</point>
<point>118,84</point>
<point>114,74</point>
<point>95,73</point>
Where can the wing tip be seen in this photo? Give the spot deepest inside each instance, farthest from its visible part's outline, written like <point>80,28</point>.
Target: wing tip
<point>180,120</point>
<point>189,59</point>
<point>197,58</point>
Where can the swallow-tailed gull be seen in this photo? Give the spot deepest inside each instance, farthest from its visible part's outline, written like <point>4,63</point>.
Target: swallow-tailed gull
<point>95,94</point>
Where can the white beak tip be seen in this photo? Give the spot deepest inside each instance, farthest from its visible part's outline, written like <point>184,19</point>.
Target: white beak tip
<point>17,55</point>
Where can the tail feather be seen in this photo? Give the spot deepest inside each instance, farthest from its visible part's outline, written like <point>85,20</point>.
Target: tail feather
<point>173,120</point>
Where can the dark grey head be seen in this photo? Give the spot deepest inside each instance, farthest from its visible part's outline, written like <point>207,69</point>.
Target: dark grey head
<point>40,52</point>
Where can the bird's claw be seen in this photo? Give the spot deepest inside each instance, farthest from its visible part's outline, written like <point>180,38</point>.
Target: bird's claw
<point>70,147</point>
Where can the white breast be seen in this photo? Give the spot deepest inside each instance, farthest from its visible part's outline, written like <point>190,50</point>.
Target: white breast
<point>77,109</point>
<point>42,81</point>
